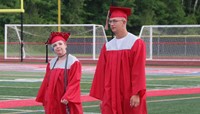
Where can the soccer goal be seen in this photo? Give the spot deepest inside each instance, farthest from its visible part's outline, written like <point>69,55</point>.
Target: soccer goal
<point>85,41</point>
<point>178,42</point>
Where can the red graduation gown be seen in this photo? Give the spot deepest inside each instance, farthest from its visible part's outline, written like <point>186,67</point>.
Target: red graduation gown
<point>52,88</point>
<point>120,73</point>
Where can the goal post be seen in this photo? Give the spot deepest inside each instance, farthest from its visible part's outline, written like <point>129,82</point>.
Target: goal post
<point>21,11</point>
<point>85,42</point>
<point>174,42</point>
<point>14,10</point>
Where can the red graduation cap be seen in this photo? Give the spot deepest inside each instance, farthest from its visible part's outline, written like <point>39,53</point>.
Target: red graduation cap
<point>114,11</point>
<point>119,12</point>
<point>56,36</point>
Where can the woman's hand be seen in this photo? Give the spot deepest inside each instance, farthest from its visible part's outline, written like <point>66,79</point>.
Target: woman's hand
<point>64,101</point>
<point>135,101</point>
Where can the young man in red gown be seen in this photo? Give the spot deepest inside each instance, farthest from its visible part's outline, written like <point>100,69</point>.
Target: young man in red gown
<point>60,90</point>
<point>119,80</point>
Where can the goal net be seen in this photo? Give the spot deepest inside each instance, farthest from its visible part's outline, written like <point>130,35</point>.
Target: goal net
<point>178,42</point>
<point>85,41</point>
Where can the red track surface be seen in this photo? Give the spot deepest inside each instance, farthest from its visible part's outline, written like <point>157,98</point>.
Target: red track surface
<point>86,98</point>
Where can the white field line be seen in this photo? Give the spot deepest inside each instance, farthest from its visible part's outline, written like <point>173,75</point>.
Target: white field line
<point>15,96</point>
<point>89,82</point>
<point>10,98</point>
<point>168,87</point>
<point>18,87</point>
<point>23,80</point>
<point>33,80</point>
<point>85,89</point>
<point>19,111</point>
<point>175,78</point>
<point>40,80</point>
<point>84,82</point>
<point>14,99</point>
<point>27,80</point>
<point>22,75</point>
<point>91,113</point>
<point>160,85</point>
<point>176,99</point>
<point>153,101</point>
<point>91,106</point>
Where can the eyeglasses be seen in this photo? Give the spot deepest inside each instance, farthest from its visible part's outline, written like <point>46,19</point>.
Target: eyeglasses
<point>114,21</point>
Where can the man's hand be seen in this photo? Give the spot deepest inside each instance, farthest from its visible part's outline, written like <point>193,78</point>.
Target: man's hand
<point>64,101</point>
<point>135,101</point>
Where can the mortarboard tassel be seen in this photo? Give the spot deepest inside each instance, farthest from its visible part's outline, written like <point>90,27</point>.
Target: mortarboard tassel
<point>107,19</point>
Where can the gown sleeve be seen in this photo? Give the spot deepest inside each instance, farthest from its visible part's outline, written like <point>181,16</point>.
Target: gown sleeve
<point>138,79</point>
<point>72,93</point>
<point>97,88</point>
<point>41,93</point>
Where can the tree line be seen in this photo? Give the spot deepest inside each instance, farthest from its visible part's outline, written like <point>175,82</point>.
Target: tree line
<point>144,12</point>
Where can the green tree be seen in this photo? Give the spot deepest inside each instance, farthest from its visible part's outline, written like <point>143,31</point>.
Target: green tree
<point>175,11</point>
<point>96,11</point>
<point>144,12</point>
<point>72,12</point>
<point>161,13</point>
<point>192,10</point>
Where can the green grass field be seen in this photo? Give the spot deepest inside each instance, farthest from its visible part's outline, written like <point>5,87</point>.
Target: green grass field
<point>18,85</point>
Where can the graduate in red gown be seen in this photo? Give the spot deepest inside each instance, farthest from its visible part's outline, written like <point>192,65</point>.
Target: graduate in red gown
<point>119,80</point>
<point>60,90</point>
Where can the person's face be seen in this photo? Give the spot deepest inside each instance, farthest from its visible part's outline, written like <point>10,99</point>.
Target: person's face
<point>59,47</point>
<point>116,24</point>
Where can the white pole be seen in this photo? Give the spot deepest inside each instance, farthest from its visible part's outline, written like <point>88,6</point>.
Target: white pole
<point>5,42</point>
<point>94,41</point>
<point>18,36</point>
<point>151,44</point>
